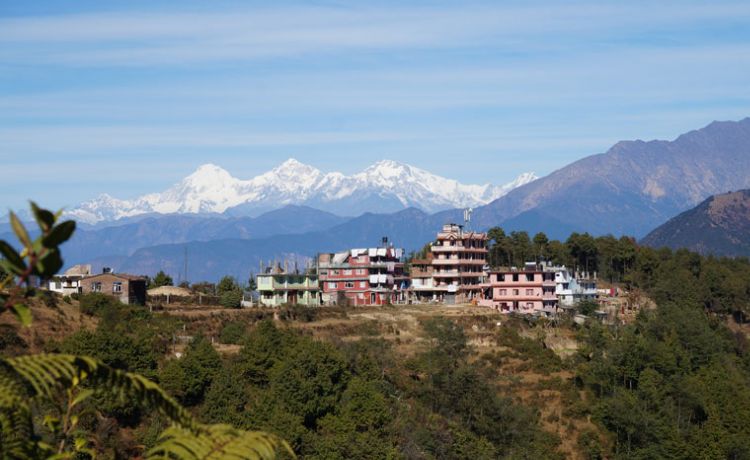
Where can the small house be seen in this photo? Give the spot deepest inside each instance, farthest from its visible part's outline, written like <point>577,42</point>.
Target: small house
<point>277,288</point>
<point>129,289</point>
<point>70,282</point>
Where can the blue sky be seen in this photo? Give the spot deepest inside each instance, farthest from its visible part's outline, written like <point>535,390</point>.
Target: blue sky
<point>129,97</point>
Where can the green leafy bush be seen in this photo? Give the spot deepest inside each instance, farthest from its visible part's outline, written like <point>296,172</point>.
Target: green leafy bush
<point>189,377</point>
<point>230,299</point>
<point>232,332</point>
<point>160,279</point>
<point>98,304</point>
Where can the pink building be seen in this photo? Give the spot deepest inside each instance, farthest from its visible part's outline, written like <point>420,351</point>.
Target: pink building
<point>528,290</point>
<point>458,260</point>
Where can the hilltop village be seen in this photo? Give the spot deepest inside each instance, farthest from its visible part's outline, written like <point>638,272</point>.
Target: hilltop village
<point>451,270</point>
<point>450,339</point>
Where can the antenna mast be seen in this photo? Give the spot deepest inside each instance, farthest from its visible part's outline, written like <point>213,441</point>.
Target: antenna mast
<point>467,217</point>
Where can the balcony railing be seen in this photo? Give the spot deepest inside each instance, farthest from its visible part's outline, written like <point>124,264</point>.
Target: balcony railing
<point>457,249</point>
<point>446,274</point>
<point>457,261</point>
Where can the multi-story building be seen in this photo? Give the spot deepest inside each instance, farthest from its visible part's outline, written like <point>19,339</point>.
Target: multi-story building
<point>128,289</point>
<point>536,289</point>
<point>371,276</point>
<point>458,260</point>
<point>277,287</point>
<point>527,290</point>
<point>572,288</point>
<point>422,283</point>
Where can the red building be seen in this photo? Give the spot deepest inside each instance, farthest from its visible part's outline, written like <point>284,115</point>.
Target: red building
<point>370,276</point>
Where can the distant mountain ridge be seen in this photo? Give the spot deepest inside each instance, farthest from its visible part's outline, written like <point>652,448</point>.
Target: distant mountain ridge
<point>386,186</point>
<point>720,225</point>
<point>631,189</point>
<point>120,241</point>
<point>635,185</point>
<point>209,260</point>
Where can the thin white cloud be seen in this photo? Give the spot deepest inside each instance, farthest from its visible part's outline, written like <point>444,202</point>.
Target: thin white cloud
<point>180,38</point>
<point>629,76</point>
<point>88,138</point>
<point>543,82</point>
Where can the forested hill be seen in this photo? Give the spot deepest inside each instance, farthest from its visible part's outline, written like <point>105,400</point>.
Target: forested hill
<point>671,380</point>
<point>720,225</point>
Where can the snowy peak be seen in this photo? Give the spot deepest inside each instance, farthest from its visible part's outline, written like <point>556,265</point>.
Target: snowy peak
<point>294,167</point>
<point>294,171</point>
<point>522,179</point>
<point>386,186</point>
<point>208,175</point>
<point>387,168</point>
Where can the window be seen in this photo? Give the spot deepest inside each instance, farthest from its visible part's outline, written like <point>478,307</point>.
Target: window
<point>363,284</point>
<point>529,277</point>
<point>529,305</point>
<point>529,292</point>
<point>332,285</point>
<point>348,271</point>
<point>503,292</point>
<point>96,287</point>
<point>501,276</point>
<point>117,286</point>
<point>335,272</point>
<point>515,276</point>
<point>515,291</point>
<point>349,284</point>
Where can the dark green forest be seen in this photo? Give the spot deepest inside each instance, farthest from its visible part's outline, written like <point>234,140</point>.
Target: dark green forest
<point>674,383</point>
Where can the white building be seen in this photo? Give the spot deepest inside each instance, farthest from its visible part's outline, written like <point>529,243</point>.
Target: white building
<point>70,282</point>
<point>571,288</point>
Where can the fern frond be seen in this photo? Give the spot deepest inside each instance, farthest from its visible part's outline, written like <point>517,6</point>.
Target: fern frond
<point>217,442</point>
<point>16,428</point>
<point>28,379</point>
<point>46,374</point>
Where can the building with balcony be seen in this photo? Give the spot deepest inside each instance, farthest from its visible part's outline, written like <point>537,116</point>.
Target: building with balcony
<point>574,287</point>
<point>276,287</point>
<point>70,282</point>
<point>529,290</point>
<point>458,264</point>
<point>369,276</point>
<point>421,281</point>
<point>536,289</point>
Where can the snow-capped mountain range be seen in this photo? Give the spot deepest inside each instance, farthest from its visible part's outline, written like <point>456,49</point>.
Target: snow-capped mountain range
<point>386,186</point>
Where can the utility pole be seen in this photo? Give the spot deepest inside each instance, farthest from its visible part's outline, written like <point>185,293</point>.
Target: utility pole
<point>185,267</point>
